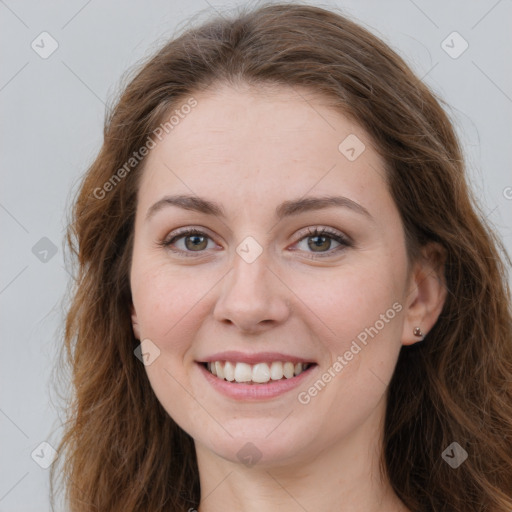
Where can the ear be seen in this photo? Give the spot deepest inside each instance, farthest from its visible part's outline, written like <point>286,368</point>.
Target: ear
<point>135,322</point>
<point>426,293</point>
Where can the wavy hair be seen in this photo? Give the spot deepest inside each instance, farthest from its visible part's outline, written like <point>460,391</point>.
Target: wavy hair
<point>120,450</point>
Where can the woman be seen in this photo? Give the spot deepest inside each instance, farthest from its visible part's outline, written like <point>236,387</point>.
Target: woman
<point>285,296</point>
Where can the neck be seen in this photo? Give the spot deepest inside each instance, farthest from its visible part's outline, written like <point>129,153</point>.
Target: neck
<point>342,478</point>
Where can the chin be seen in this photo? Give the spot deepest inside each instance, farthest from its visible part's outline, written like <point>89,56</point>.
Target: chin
<point>260,443</point>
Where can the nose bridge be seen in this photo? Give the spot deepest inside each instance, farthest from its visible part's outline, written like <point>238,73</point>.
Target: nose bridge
<point>249,278</point>
<point>251,293</point>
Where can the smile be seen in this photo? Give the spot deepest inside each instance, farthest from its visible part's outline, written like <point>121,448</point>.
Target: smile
<point>259,373</point>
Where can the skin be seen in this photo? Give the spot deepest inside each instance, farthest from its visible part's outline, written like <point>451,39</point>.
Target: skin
<point>250,149</point>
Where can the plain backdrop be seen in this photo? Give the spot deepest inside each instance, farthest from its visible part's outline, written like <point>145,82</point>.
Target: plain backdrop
<point>52,112</point>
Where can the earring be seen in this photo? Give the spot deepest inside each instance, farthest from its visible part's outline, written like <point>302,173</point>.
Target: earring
<point>418,332</point>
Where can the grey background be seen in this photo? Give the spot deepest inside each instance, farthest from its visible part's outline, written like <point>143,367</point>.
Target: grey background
<point>52,114</point>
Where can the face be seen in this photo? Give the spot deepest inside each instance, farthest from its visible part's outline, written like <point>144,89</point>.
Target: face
<point>256,286</point>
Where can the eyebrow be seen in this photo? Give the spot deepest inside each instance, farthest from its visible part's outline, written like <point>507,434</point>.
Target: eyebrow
<point>285,209</point>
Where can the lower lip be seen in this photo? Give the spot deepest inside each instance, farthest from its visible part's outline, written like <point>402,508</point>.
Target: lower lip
<point>240,391</point>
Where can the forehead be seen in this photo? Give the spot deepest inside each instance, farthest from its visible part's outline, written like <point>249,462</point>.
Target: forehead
<point>263,141</point>
<point>250,114</point>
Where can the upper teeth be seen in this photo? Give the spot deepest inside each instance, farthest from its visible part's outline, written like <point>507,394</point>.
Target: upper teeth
<point>259,373</point>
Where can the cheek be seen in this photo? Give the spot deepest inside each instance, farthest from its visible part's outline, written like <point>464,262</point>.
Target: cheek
<point>167,301</point>
<point>343,303</point>
<point>358,320</point>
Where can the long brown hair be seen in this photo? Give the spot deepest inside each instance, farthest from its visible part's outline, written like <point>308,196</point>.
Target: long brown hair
<point>120,450</point>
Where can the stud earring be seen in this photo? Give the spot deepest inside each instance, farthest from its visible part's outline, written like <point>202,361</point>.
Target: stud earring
<point>418,332</point>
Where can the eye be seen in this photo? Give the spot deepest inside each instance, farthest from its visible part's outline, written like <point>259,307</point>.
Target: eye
<point>195,241</point>
<point>322,238</point>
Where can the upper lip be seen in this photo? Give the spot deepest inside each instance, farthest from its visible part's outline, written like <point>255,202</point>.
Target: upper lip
<point>234,356</point>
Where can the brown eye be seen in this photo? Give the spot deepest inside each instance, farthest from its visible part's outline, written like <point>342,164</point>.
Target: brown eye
<point>320,242</point>
<point>193,241</point>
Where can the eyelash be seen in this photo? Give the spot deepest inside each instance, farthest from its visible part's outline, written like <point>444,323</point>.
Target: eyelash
<point>321,232</point>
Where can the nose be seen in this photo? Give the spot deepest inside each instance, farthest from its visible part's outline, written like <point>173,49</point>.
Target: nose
<point>252,297</point>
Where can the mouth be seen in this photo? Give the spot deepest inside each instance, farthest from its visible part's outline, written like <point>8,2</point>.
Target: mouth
<point>260,373</point>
